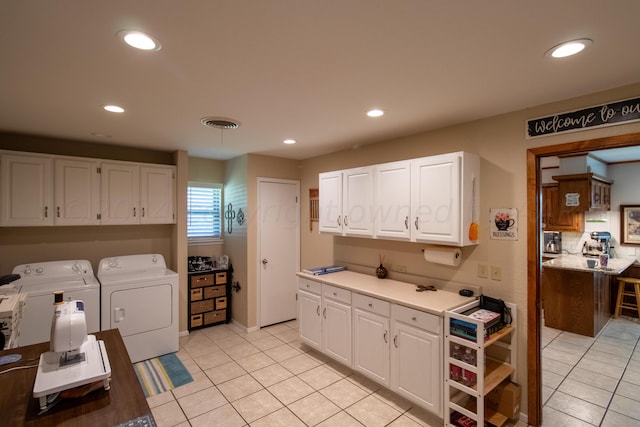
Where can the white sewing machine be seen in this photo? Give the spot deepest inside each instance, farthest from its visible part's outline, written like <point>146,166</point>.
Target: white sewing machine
<point>75,359</point>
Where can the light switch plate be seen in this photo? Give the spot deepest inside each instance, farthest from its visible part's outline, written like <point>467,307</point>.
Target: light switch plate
<point>496,272</point>
<point>483,271</point>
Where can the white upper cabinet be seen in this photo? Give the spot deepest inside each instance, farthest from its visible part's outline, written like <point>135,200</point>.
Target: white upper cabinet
<point>330,204</point>
<point>428,200</point>
<point>27,184</point>
<point>77,192</point>
<point>157,194</point>
<point>392,187</point>
<point>120,193</point>
<point>357,202</point>
<point>346,202</point>
<point>444,199</point>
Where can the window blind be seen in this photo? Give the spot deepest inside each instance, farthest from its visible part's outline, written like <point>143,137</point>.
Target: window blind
<point>204,219</point>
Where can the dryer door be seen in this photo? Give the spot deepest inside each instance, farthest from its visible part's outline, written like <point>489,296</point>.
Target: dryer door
<point>141,309</point>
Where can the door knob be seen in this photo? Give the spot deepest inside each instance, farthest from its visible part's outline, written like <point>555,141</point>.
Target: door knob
<point>264,261</point>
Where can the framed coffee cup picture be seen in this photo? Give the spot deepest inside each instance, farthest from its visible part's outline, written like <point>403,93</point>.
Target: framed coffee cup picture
<point>630,225</point>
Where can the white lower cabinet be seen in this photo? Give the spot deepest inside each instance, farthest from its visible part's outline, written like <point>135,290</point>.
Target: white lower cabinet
<point>309,317</point>
<point>416,365</point>
<point>336,323</point>
<point>371,337</point>
<point>324,319</point>
<point>396,346</point>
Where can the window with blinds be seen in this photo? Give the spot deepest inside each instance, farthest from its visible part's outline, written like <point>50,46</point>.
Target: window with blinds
<point>204,211</point>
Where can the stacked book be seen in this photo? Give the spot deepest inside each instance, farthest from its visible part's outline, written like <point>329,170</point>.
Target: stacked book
<point>468,330</point>
<point>324,270</point>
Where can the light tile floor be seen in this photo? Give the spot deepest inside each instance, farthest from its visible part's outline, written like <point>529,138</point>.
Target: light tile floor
<point>269,378</point>
<point>592,381</point>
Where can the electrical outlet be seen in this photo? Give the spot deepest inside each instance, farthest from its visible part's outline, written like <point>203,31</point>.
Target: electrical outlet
<point>483,271</point>
<point>401,268</point>
<point>496,272</point>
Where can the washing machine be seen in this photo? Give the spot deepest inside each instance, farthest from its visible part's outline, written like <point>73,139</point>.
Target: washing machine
<point>140,298</point>
<point>40,280</point>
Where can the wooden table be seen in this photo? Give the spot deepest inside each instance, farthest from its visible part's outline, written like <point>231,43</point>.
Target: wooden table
<point>125,401</point>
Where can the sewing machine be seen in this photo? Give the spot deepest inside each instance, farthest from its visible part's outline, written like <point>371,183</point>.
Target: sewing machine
<point>75,359</point>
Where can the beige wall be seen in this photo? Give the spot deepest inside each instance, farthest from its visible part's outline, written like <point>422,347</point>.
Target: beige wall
<point>500,142</point>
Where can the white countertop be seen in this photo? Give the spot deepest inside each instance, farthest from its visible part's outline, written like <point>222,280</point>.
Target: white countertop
<point>579,263</point>
<point>434,302</point>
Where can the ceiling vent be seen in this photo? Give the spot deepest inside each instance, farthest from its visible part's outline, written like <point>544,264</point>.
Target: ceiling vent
<point>219,123</point>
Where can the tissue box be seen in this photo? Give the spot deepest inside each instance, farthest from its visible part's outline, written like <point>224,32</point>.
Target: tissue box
<point>505,398</point>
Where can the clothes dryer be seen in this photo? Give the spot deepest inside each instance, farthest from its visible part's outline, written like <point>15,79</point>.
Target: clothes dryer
<point>39,280</point>
<point>140,298</point>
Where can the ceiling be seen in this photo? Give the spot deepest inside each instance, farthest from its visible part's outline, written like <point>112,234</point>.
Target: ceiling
<point>307,70</point>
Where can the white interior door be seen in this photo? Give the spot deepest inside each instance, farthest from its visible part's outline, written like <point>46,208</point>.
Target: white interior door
<point>279,249</point>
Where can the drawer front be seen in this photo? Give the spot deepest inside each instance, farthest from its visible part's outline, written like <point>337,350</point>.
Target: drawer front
<point>196,294</point>
<point>215,317</point>
<point>199,281</point>
<point>201,306</point>
<point>336,293</point>
<point>310,286</point>
<point>371,304</point>
<point>221,303</point>
<point>196,320</point>
<point>215,291</point>
<point>419,319</point>
<point>221,278</point>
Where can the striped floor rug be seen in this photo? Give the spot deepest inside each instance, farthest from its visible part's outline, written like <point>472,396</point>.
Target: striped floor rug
<point>161,373</point>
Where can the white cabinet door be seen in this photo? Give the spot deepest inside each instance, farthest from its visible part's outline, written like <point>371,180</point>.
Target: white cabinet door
<point>120,193</point>
<point>357,201</point>
<point>416,366</point>
<point>330,203</point>
<point>77,192</point>
<point>392,186</point>
<point>309,319</point>
<point>436,199</point>
<point>371,345</point>
<point>157,189</point>
<point>336,330</point>
<point>27,196</point>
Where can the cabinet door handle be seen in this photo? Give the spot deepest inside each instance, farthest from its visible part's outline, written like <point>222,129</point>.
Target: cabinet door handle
<point>416,223</point>
<point>58,211</point>
<point>406,222</point>
<point>395,341</point>
<point>385,336</point>
<point>134,212</point>
<point>338,220</point>
<point>142,212</point>
<point>345,221</point>
<point>324,313</point>
<point>46,211</point>
<point>318,310</point>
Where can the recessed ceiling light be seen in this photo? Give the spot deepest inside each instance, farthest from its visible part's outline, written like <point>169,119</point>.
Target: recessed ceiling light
<point>375,113</point>
<point>289,141</point>
<point>113,108</point>
<point>139,40</point>
<point>569,48</point>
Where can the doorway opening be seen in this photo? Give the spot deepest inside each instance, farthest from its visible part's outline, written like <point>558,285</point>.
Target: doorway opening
<point>534,214</point>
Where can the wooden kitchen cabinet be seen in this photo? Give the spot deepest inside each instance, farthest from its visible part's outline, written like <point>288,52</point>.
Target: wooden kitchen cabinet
<point>209,298</point>
<point>392,184</point>
<point>309,313</point>
<point>26,190</point>
<point>555,219</point>
<point>157,194</point>
<point>583,192</point>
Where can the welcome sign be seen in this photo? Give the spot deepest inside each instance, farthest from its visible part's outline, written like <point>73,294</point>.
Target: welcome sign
<point>614,113</point>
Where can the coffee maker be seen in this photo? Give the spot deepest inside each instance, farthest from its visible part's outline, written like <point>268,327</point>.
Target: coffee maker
<point>598,245</point>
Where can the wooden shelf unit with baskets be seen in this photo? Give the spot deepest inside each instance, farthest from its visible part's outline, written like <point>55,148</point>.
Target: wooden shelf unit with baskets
<point>487,372</point>
<point>209,298</point>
